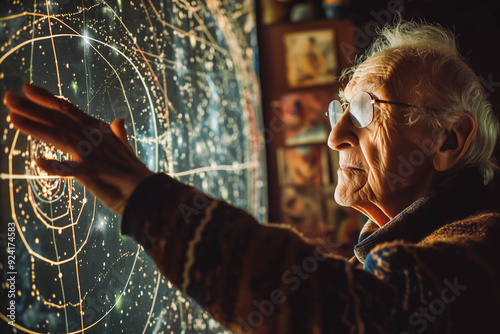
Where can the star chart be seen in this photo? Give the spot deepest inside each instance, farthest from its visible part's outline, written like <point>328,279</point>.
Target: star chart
<point>182,74</point>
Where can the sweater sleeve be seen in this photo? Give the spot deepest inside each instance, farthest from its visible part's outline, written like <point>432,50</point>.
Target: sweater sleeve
<point>266,279</point>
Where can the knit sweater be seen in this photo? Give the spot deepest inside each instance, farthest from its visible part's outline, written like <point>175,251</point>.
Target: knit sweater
<point>434,268</point>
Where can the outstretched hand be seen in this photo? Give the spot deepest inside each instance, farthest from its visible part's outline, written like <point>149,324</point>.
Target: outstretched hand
<point>102,159</point>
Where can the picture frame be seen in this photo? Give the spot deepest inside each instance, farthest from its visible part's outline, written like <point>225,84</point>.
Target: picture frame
<point>304,116</point>
<point>302,208</point>
<point>304,165</point>
<point>311,58</point>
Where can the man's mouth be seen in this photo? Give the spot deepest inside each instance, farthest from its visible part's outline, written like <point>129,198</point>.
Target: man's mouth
<point>348,167</point>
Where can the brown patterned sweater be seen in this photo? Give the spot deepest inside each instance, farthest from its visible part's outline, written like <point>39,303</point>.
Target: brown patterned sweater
<point>435,268</point>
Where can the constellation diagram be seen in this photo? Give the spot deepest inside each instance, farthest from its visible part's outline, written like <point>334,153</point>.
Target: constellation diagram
<point>182,74</point>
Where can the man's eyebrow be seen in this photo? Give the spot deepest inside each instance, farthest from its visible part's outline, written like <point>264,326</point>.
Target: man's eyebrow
<point>341,96</point>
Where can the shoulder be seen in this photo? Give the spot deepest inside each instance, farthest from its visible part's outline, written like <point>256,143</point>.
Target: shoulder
<point>473,242</point>
<point>478,227</point>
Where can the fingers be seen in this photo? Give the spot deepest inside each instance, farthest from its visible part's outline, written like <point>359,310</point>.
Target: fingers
<point>28,109</point>
<point>46,99</point>
<point>34,112</point>
<point>56,167</point>
<point>55,136</point>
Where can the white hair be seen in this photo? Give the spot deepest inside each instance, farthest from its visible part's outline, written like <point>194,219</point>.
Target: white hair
<point>449,86</point>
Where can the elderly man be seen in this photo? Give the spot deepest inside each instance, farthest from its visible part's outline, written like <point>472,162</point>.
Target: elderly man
<point>415,137</point>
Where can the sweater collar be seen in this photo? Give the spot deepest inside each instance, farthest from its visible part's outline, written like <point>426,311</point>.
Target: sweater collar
<point>453,199</point>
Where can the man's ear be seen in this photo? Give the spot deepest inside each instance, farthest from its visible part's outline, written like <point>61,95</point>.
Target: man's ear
<point>454,142</point>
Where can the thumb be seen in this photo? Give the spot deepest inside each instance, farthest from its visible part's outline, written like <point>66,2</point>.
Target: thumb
<point>118,128</point>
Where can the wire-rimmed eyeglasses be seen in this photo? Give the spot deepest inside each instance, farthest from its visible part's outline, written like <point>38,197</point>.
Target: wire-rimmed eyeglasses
<point>361,109</point>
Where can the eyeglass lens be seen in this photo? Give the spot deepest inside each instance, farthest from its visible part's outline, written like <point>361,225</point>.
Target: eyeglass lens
<point>360,110</point>
<point>335,112</point>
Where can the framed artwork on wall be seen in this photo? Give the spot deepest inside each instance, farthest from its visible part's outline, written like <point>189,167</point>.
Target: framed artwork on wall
<point>302,208</point>
<point>304,165</point>
<point>310,58</point>
<point>304,116</point>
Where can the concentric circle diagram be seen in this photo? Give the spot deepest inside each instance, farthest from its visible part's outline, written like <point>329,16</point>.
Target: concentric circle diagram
<point>182,76</point>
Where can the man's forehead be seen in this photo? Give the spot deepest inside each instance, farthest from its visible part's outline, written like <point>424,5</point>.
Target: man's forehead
<point>371,76</point>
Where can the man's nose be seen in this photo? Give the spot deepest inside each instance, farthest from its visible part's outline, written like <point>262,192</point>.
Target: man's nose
<point>343,134</point>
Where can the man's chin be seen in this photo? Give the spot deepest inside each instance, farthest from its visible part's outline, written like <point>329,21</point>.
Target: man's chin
<point>344,197</point>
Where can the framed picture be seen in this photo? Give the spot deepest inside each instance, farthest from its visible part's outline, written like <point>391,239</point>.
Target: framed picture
<point>310,58</point>
<point>302,208</point>
<point>304,165</point>
<point>304,116</point>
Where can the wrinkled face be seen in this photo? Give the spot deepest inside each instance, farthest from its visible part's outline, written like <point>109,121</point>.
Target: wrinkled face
<point>386,165</point>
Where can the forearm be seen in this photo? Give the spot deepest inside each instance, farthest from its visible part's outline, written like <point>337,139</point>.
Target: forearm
<point>251,277</point>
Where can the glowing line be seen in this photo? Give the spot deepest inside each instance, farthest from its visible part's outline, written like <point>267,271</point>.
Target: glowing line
<point>11,17</point>
<point>5,176</point>
<point>85,62</point>
<point>235,167</point>
<point>76,262</point>
<point>200,21</point>
<point>186,5</point>
<point>88,107</point>
<point>54,48</point>
<point>60,275</point>
<point>54,16</point>
<point>150,313</point>
<point>33,43</point>
<point>16,325</point>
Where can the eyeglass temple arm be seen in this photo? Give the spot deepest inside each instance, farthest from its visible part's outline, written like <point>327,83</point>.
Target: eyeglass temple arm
<point>396,103</point>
